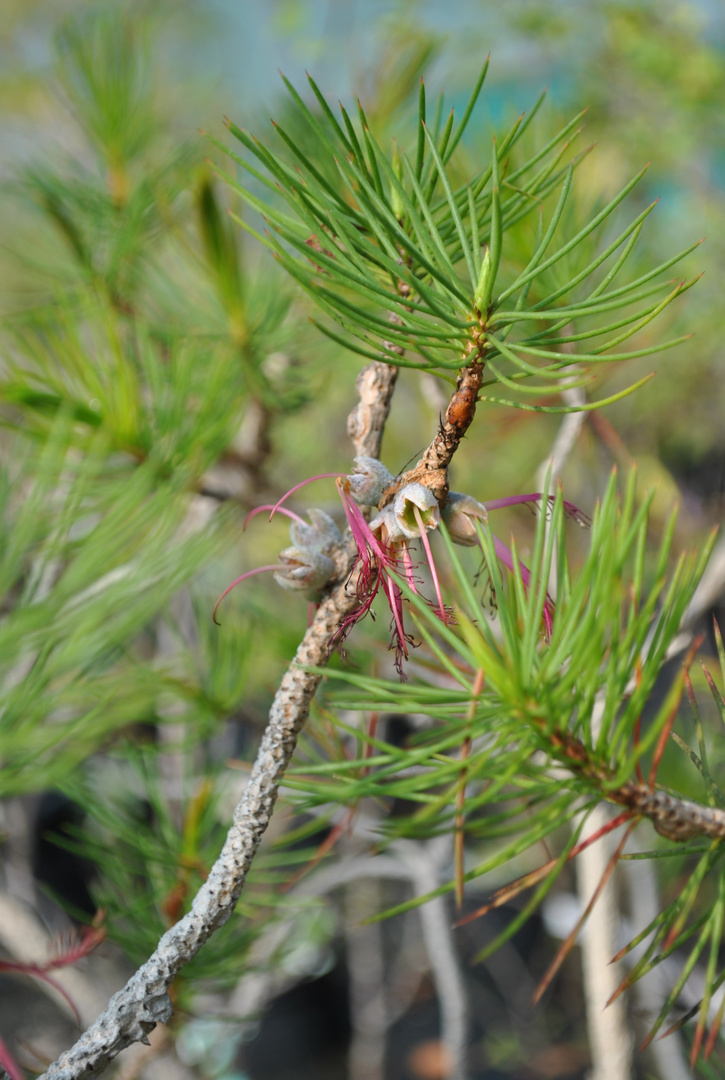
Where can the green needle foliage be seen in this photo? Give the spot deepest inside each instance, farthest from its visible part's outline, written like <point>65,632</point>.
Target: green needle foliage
<point>132,350</point>
<point>86,563</point>
<point>534,719</point>
<point>400,234</point>
<point>590,679</point>
<point>555,728</point>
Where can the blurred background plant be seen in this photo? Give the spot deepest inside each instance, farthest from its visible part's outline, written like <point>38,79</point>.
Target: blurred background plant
<point>159,378</point>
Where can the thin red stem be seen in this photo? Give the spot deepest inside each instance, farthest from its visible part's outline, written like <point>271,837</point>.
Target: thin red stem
<point>566,945</point>
<point>302,483</point>
<point>9,1064</point>
<point>394,595</point>
<point>408,566</point>
<point>665,733</point>
<point>507,892</point>
<point>249,573</point>
<point>272,507</point>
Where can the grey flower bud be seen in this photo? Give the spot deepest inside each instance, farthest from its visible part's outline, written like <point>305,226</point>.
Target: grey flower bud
<point>320,535</point>
<point>385,523</point>
<point>304,570</point>
<point>415,495</point>
<point>368,481</point>
<point>459,514</point>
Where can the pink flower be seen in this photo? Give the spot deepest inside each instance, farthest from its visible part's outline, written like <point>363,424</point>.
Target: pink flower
<point>384,544</point>
<point>383,550</point>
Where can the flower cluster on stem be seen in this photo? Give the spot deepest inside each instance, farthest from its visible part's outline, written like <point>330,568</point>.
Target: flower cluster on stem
<point>405,516</point>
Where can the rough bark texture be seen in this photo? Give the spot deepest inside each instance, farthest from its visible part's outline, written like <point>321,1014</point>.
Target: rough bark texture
<point>676,819</point>
<point>144,1002</point>
<point>375,385</point>
<point>365,424</point>
<point>432,469</point>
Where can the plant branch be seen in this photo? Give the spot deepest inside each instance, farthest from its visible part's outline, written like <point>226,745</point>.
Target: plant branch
<point>366,422</point>
<point>440,945</point>
<point>674,818</point>
<point>432,469</point>
<point>144,1002</point>
<point>136,1009</point>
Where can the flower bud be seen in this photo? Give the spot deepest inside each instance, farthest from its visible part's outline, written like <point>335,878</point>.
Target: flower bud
<point>459,514</point>
<point>369,480</point>
<point>304,570</point>
<point>320,535</point>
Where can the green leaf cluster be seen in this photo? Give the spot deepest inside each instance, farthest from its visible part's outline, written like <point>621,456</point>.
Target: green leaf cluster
<point>86,564</point>
<point>146,334</point>
<point>563,721</point>
<point>413,262</point>
<point>137,310</point>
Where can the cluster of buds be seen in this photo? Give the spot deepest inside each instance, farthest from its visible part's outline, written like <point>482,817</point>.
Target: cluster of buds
<point>306,566</point>
<point>384,542</point>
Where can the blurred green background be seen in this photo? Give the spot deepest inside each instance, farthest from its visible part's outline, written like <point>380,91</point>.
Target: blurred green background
<point>159,377</point>
<point>651,75</point>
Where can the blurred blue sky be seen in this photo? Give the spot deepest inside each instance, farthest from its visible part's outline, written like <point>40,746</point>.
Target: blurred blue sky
<point>222,57</point>
<point>231,51</point>
<point>338,41</point>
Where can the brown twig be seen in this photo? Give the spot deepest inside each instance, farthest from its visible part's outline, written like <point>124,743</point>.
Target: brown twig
<point>375,385</point>
<point>432,469</point>
<point>674,818</point>
<point>144,1002</point>
<point>365,424</point>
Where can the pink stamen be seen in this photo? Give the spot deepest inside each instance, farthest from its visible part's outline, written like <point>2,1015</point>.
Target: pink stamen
<point>573,511</point>
<point>249,573</point>
<point>270,506</point>
<point>363,550</point>
<point>302,483</point>
<point>9,1063</point>
<point>431,564</point>
<point>362,534</point>
<point>512,500</point>
<point>369,549</point>
<point>505,555</point>
<point>570,508</point>
<point>395,599</point>
<point>408,565</point>
<point>355,617</point>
